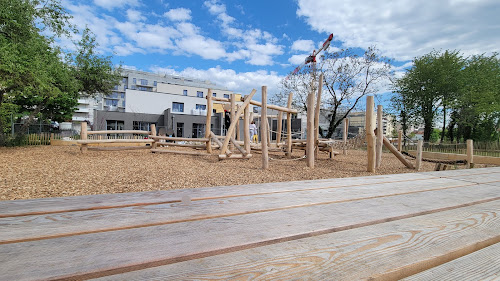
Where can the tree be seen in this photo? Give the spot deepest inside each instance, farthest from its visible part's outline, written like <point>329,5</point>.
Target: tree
<point>430,86</point>
<point>37,79</point>
<point>348,77</point>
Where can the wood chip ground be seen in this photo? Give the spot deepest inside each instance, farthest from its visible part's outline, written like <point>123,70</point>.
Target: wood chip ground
<point>56,171</point>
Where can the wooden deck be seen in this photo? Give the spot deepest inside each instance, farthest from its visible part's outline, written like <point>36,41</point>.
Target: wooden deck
<point>420,226</point>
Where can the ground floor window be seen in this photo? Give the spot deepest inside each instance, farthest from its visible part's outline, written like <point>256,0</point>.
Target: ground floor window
<point>198,130</point>
<point>143,126</point>
<point>180,130</point>
<point>114,125</point>
<point>201,107</point>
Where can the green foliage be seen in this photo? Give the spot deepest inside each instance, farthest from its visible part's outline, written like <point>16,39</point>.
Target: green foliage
<point>435,135</point>
<point>35,80</point>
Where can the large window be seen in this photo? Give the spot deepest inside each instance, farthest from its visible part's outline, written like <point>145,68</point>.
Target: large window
<point>141,88</point>
<point>185,92</point>
<point>112,102</point>
<point>199,94</point>
<point>177,107</point>
<point>114,95</point>
<point>226,96</point>
<point>114,125</point>
<point>134,87</point>
<point>180,130</point>
<point>201,107</point>
<point>198,130</point>
<point>143,126</point>
<point>144,82</point>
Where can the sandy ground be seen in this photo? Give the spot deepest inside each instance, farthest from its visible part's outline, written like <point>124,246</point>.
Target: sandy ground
<point>54,171</point>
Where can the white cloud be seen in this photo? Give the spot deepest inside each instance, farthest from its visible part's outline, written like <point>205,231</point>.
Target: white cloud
<point>134,15</point>
<point>127,49</point>
<point>179,14</point>
<point>405,29</point>
<point>111,4</point>
<point>303,46</point>
<point>206,48</point>
<point>239,82</point>
<point>297,59</point>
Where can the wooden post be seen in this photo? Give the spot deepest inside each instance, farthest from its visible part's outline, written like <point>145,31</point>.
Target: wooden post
<point>310,130</point>
<point>344,136</point>
<point>208,122</point>
<point>268,132</point>
<point>246,128</point>
<point>289,127</point>
<point>263,129</point>
<point>231,114</point>
<point>83,136</point>
<point>153,133</point>
<point>316,115</point>
<point>370,137</point>
<point>380,135</point>
<point>400,140</point>
<point>238,133</point>
<point>280,127</point>
<point>418,160</point>
<point>470,154</point>
<point>398,154</point>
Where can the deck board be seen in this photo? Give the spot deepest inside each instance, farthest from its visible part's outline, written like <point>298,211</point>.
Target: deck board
<point>134,236</point>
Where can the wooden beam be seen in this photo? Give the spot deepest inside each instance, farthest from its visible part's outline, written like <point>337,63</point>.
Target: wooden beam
<point>116,141</point>
<point>344,135</point>
<point>219,99</point>
<point>197,153</point>
<point>289,127</point>
<point>380,135</point>
<point>83,136</point>
<point>470,154</point>
<point>310,130</point>
<point>238,147</point>
<point>274,107</point>
<point>118,148</point>
<point>153,133</point>
<point>398,154</point>
<point>316,115</point>
<point>370,137</point>
<point>181,144</point>
<point>418,160</point>
<point>280,127</point>
<point>235,156</point>
<point>215,138</point>
<point>232,114</point>
<point>178,138</point>
<point>400,140</point>
<point>208,122</point>
<point>263,130</point>
<point>233,123</point>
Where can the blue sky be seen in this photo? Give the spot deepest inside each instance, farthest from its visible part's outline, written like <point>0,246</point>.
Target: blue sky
<point>246,44</point>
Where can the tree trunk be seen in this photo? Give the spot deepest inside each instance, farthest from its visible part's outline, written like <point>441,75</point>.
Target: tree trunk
<point>444,123</point>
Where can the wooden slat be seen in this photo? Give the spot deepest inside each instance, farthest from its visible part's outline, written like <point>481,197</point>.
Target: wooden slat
<point>89,255</point>
<point>481,265</point>
<point>197,153</point>
<point>108,219</point>
<point>138,132</point>
<point>386,251</point>
<point>50,205</point>
<point>178,138</point>
<point>118,148</point>
<point>115,141</point>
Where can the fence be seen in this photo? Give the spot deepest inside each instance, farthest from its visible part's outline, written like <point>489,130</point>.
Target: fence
<point>480,148</point>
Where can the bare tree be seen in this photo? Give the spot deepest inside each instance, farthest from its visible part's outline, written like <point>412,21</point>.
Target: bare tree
<point>347,78</point>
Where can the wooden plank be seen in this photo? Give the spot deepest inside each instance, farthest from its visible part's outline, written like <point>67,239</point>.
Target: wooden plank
<point>115,141</point>
<point>54,225</point>
<point>235,156</point>
<point>75,203</point>
<point>197,153</point>
<point>483,264</point>
<point>138,132</point>
<point>118,148</point>
<point>386,251</point>
<point>238,147</point>
<point>178,138</point>
<point>181,144</point>
<point>275,107</point>
<point>91,255</point>
<point>488,160</point>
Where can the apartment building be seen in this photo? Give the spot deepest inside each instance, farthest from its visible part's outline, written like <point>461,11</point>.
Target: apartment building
<point>176,105</point>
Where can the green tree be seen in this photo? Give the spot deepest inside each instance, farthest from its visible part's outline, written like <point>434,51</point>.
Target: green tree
<point>37,79</point>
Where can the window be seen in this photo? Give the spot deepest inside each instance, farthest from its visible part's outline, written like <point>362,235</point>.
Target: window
<point>114,95</point>
<point>124,80</point>
<point>141,88</point>
<point>201,107</point>
<point>226,96</point>
<point>125,87</point>
<point>185,92</point>
<point>111,102</point>
<point>116,87</point>
<point>142,126</point>
<point>180,130</point>
<point>144,82</point>
<point>134,87</point>
<point>114,125</point>
<point>134,81</point>
<point>199,94</point>
<point>123,103</point>
<point>177,107</point>
<point>198,130</point>
<point>214,95</point>
<point>123,95</point>
<point>155,83</point>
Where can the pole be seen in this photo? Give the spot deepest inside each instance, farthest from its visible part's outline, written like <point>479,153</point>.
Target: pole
<point>316,115</point>
<point>344,136</point>
<point>470,154</point>
<point>263,130</point>
<point>418,160</point>
<point>310,130</point>
<point>400,140</point>
<point>289,127</point>
<point>379,136</point>
<point>246,128</point>
<point>208,121</point>
<point>370,137</point>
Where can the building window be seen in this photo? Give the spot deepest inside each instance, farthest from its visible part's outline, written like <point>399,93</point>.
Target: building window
<point>112,102</point>
<point>180,130</point>
<point>226,96</point>
<point>124,80</point>
<point>114,125</point>
<point>123,103</point>
<point>199,94</point>
<point>123,95</point>
<point>142,126</point>
<point>116,87</point>
<point>134,87</point>
<point>125,87</point>
<point>141,88</point>
<point>177,107</point>
<point>134,81</point>
<point>214,94</point>
<point>198,130</point>
<point>114,95</point>
<point>201,107</point>
<point>185,92</point>
<point>155,83</point>
<point>144,82</point>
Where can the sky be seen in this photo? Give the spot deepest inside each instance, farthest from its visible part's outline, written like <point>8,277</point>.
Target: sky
<point>243,45</point>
